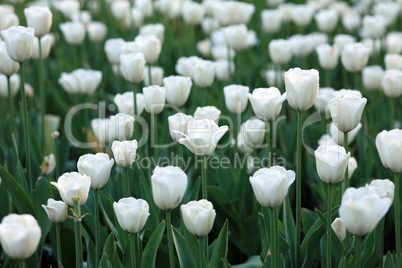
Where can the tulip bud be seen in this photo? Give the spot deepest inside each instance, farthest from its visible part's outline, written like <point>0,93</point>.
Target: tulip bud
<point>207,112</point>
<point>150,46</point>
<point>392,83</point>
<point>67,7</point>
<point>168,186</point>
<point>372,77</point>
<point>39,18</point>
<point>8,66</point>
<point>393,61</point>
<point>346,111</point>
<point>242,144</point>
<point>222,70</point>
<point>331,162</point>
<point>46,43</point>
<point>19,235</point>
<point>354,57</point>
<point>113,49</point>
<point>302,15</point>
<point>389,146</point>
<point>324,95</point>
<point>337,135</point>
<point>177,89</point>
<point>327,56</point>
<point>56,210</point>
<point>131,213</point>
<point>96,31</point>
<point>342,40</point>
<point>361,209</point>
<point>154,29</point>
<point>121,126</point>
<point>124,152</point>
<point>388,10</point>
<point>339,228</point>
<point>209,25</point>
<point>80,81</point>
<point>48,164</point>
<point>156,75</point>
<point>102,131</point>
<point>271,20</point>
<point>198,216</point>
<point>374,26</point>
<point>270,185</point>
<point>204,47</point>
<point>326,20</point>
<point>72,185</point>
<point>301,88</point>
<point>119,9</point>
<point>236,36</point>
<point>220,52</point>
<point>252,132</point>
<point>178,123</point>
<point>267,102</point>
<point>385,188</point>
<point>203,73</point>
<point>132,67</point>
<point>236,98</point>
<point>351,20</point>
<point>125,103</point>
<point>97,167</point>
<point>393,42</point>
<point>154,97</point>
<point>19,42</point>
<point>15,83</point>
<point>232,12</point>
<point>73,32</point>
<point>192,12</point>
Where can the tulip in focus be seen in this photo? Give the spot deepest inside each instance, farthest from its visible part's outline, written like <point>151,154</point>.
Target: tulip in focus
<point>267,102</point>
<point>331,163</point>
<point>97,167</point>
<point>236,98</point>
<point>56,210</point>
<point>339,228</point>
<point>72,185</point>
<point>132,67</point>
<point>389,146</point>
<point>198,217</point>
<point>124,103</point>
<point>39,18</point>
<point>154,97</point>
<point>177,89</point>
<point>19,42</point>
<point>131,213</point>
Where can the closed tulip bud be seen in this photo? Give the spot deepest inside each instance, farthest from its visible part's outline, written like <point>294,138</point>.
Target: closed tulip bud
<point>39,18</point>
<point>242,144</point>
<point>301,88</point>
<point>339,228</point>
<point>267,102</point>
<point>73,186</point>
<point>154,97</point>
<point>374,26</point>
<point>154,29</point>
<point>145,6</point>
<point>68,7</point>
<point>56,210</point>
<point>202,136</point>
<point>100,128</point>
<point>355,56</point>
<point>361,209</point>
<point>327,56</point>
<point>342,40</point>
<point>207,112</point>
<point>156,75</point>
<point>222,70</point>
<point>198,216</point>
<point>97,167</point>
<point>236,36</point>
<point>392,83</point>
<point>271,20</point>
<point>236,98</point>
<point>372,77</point>
<point>393,42</point>
<point>96,31</point>
<point>168,186</point>
<point>204,47</point>
<point>352,166</point>
<point>326,20</point>
<point>177,89</point>
<point>270,185</point>
<point>19,235</point>
<point>203,73</point>
<point>124,152</point>
<point>73,32</point>
<point>119,9</point>
<point>346,111</point>
<point>48,164</point>
<point>81,81</point>
<point>46,42</point>
<point>331,162</point>
<point>121,126</point>
<point>125,103</point>
<point>19,42</point>
<point>178,123</point>
<point>385,188</point>
<point>113,49</point>
<point>253,132</point>
<point>232,12</point>
<point>280,51</point>
<point>8,66</point>
<point>337,135</point>
<point>15,83</point>
<point>150,46</point>
<point>324,95</point>
<point>389,146</point>
<point>351,20</point>
<point>302,14</point>
<point>192,12</point>
<point>131,213</point>
<point>132,67</point>
<point>393,61</point>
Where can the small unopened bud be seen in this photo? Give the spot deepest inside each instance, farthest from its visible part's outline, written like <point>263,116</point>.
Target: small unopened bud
<point>55,134</point>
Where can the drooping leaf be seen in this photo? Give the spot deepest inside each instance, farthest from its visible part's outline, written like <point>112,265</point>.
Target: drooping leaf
<point>151,249</point>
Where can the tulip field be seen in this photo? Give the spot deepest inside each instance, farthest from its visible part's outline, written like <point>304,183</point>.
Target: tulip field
<point>200,133</point>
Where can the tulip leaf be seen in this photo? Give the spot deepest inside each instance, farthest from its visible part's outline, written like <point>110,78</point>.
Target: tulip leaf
<point>289,224</point>
<point>110,254</point>
<point>252,262</point>
<point>151,249</point>
<point>182,250</point>
<point>20,198</point>
<point>311,241</point>
<point>389,262</point>
<point>90,248</point>
<point>193,244</point>
<point>221,247</point>
<point>265,240</point>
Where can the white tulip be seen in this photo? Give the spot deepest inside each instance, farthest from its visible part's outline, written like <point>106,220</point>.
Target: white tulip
<point>73,187</point>
<point>207,112</point>
<point>236,36</point>
<point>124,152</point>
<point>388,10</point>
<point>392,83</point>
<point>19,42</point>
<point>342,40</point>
<point>68,7</point>
<point>97,167</point>
<point>198,216</point>
<point>302,14</point>
<point>331,163</point>
<point>372,77</point>
<point>393,42</point>
<point>327,56</point>
<point>19,235</point>
<point>8,66</point>
<point>351,20</point>
<point>192,12</point>
<point>393,61</point>
<point>113,49</point>
<point>203,73</point>
<point>267,102</point>
<point>374,26</point>
<point>270,185</point>
<point>352,166</point>
<point>178,123</point>
<point>154,97</point>
<point>222,70</point>
<point>242,145</point>
<point>271,20</point>
<point>220,52</point>
<point>156,76</point>
<point>253,132</point>
<point>132,67</point>
<point>209,25</point>
<point>145,6</point>
<point>46,43</point>
<point>15,82</point>
<point>150,46</point>
<point>48,165</point>
<point>80,81</point>
<point>121,126</point>
<point>389,146</point>
<point>339,228</point>
<point>326,20</point>
<point>131,213</point>
<point>96,31</point>
<point>56,210</point>
<point>232,12</point>
<point>337,135</point>
<point>204,47</point>
<point>39,18</point>
<point>125,103</point>
<point>153,29</point>
<point>324,95</point>
<point>177,89</point>
<point>119,9</point>
<point>355,56</point>
<point>385,188</point>
<point>236,98</point>
<point>168,186</point>
<point>73,32</point>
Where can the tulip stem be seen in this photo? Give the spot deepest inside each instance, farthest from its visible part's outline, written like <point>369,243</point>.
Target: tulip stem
<point>42,95</point>
<point>274,238</point>
<point>21,263</point>
<point>58,243</point>
<point>25,127</point>
<point>230,66</point>
<point>133,251</point>
<point>134,106</point>
<point>11,102</point>
<point>346,178</point>
<point>126,190</point>
<point>170,238</point>
<point>150,74</point>
<point>329,220</point>
<point>268,136</point>
<point>181,160</point>
<point>391,113</point>
<point>77,230</point>
<point>155,135</point>
<point>204,178</point>
<point>137,249</point>
<point>298,188</point>
<point>204,245</point>
<point>358,250</point>
<point>97,228</point>
<point>397,208</point>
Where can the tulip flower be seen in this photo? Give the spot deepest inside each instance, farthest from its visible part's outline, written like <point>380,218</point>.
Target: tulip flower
<point>232,12</point>
<point>156,74</point>
<point>242,144</point>
<point>331,162</point>
<point>236,36</point>
<point>372,77</point>
<point>124,103</point>
<point>252,131</point>
<point>389,146</point>
<point>80,81</point>
<point>56,210</point>
<point>177,124</point>
<point>327,56</point>
<point>132,67</point>
<point>385,188</point>
<point>46,44</point>
<point>101,129</point>
<point>203,73</point>
<point>131,213</point>
<point>393,42</point>
<point>97,167</point>
<point>354,57</point>
<point>19,235</point>
<point>121,126</point>
<point>207,112</point>
<point>68,8</point>
<point>374,26</point>
<point>266,102</point>
<point>39,18</point>
<point>192,12</point>
<point>15,82</point>
<point>236,98</point>
<point>342,40</point>
<point>177,89</point>
<point>48,164</point>
<point>393,61</point>
<point>8,66</point>
<point>222,71</point>
<point>392,83</point>
<point>19,42</point>
<point>73,186</point>
<point>198,217</point>
<point>150,46</point>
<point>96,31</point>
<point>302,14</point>
<point>154,97</point>
<point>113,50</point>
<point>73,32</point>
<point>324,95</point>
<point>124,152</point>
<point>339,228</point>
<point>337,135</point>
<point>271,20</point>
<point>153,29</point>
<point>326,20</point>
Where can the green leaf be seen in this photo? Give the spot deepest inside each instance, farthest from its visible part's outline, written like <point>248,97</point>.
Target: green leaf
<point>193,244</point>
<point>110,253</point>
<point>310,242</point>
<point>252,262</point>
<point>20,198</point>
<point>389,262</point>
<point>289,224</point>
<point>150,250</point>
<point>221,248</point>
<point>183,252</point>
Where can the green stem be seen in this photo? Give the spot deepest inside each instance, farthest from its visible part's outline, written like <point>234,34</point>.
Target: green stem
<point>42,95</point>
<point>230,66</point>
<point>328,78</point>
<point>150,74</point>
<point>268,137</point>
<point>200,253</point>
<point>391,113</point>
<point>25,127</point>
<point>58,242</point>
<point>137,249</point>
<point>155,135</point>
<point>397,208</point>
<point>329,221</point>
<point>77,230</point>
<point>133,251</point>
<point>298,188</point>
<point>358,251</point>
<point>97,228</point>
<point>181,160</point>
<point>267,219</point>
<point>57,155</point>
<point>204,178</point>
<point>204,246</point>
<point>170,238</point>
<point>134,106</point>
<point>11,102</point>
<point>126,189</point>
<point>21,263</point>
<point>346,177</point>
<point>274,237</point>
